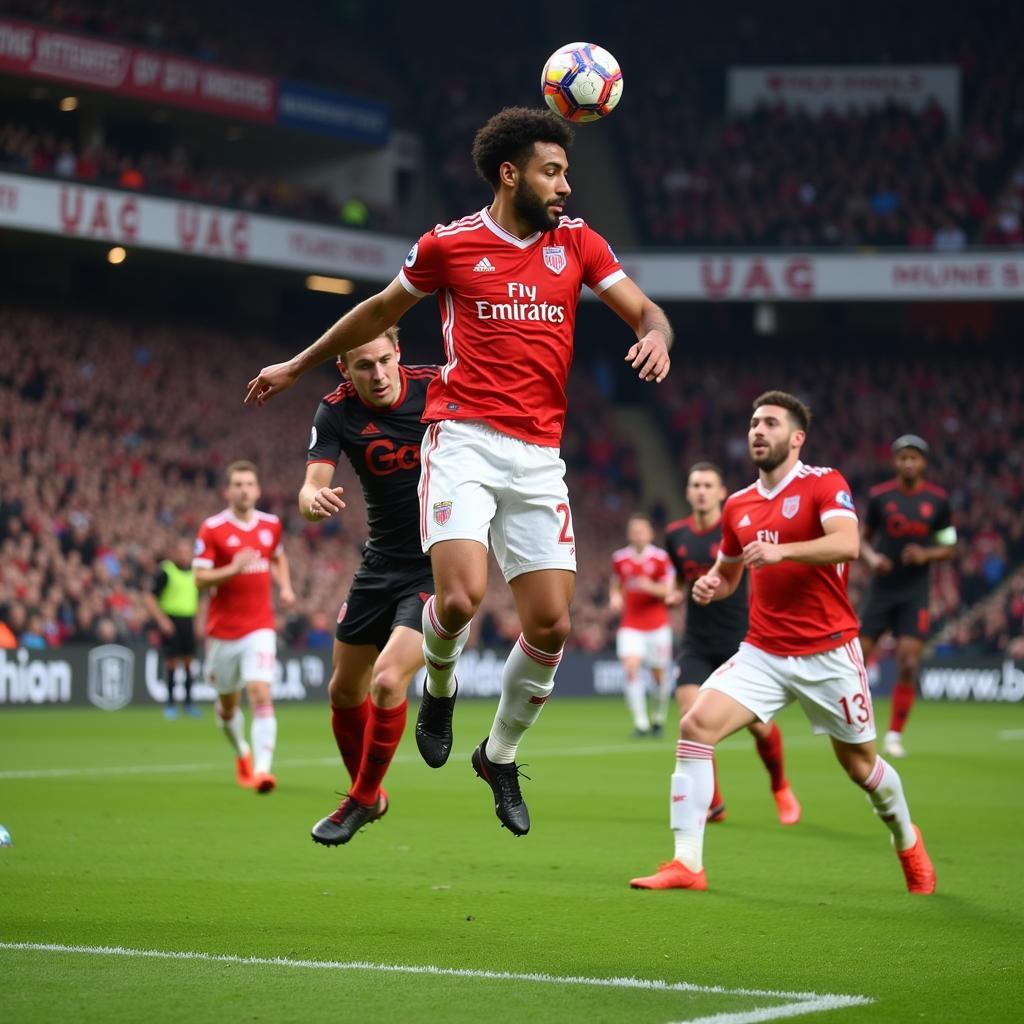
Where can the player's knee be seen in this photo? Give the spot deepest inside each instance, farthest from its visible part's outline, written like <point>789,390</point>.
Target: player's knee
<point>907,666</point>
<point>857,765</point>
<point>343,692</point>
<point>548,631</point>
<point>695,727</point>
<point>388,685</point>
<point>456,606</point>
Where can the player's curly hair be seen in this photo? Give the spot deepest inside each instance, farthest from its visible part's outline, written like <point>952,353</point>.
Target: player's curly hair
<point>799,413</point>
<point>509,137</point>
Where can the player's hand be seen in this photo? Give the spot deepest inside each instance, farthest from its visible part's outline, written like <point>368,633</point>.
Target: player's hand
<point>880,564</point>
<point>914,554</point>
<point>705,587</point>
<point>649,357</point>
<point>166,626</point>
<point>270,381</point>
<point>760,553</point>
<point>286,597</point>
<point>243,557</point>
<point>674,598</point>
<point>615,604</point>
<point>326,502</point>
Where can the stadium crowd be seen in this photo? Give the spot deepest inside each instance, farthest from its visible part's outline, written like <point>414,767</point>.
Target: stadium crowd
<point>99,473</point>
<point>177,173</point>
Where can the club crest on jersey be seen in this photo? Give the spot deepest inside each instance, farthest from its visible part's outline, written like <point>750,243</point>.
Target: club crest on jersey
<point>554,258</point>
<point>791,506</point>
<point>266,537</point>
<point>442,512</point>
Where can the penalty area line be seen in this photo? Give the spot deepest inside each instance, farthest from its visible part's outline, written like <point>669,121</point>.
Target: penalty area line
<point>800,1003</point>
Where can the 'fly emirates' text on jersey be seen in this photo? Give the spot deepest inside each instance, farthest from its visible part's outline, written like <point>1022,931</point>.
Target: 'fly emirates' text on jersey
<point>795,608</point>
<point>239,605</point>
<point>508,308</point>
<point>641,610</point>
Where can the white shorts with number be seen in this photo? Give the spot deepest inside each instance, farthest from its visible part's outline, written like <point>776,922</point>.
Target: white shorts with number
<point>652,646</point>
<point>232,664</point>
<point>477,483</point>
<point>832,688</point>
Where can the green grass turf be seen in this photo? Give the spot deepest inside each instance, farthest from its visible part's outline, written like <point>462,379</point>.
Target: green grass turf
<point>184,860</point>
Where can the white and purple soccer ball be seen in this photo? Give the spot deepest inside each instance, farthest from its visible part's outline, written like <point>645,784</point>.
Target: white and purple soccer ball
<point>5,837</point>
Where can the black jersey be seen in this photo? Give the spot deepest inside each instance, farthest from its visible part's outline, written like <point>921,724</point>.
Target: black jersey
<point>721,625</point>
<point>897,517</point>
<point>383,445</point>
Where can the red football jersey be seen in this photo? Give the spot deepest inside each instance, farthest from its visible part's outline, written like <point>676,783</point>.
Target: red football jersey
<point>240,605</point>
<point>508,307</point>
<point>795,608</point>
<point>641,610</point>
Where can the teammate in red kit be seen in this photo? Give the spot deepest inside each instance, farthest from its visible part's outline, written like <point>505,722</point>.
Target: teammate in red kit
<point>713,632</point>
<point>908,525</point>
<point>508,281</point>
<point>236,553</point>
<point>375,418</point>
<point>795,528</point>
<point>641,582</point>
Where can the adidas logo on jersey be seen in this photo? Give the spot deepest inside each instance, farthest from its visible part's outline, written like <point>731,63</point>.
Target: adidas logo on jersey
<point>485,266</point>
<point>745,521</point>
<point>370,428</point>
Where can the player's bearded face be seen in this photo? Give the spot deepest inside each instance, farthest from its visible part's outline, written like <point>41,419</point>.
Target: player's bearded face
<point>769,453</point>
<point>534,210</point>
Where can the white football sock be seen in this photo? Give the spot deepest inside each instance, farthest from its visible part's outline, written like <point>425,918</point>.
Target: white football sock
<point>636,701</point>
<point>441,651</point>
<point>234,729</point>
<point>693,785</point>
<point>662,695</point>
<point>264,738</point>
<point>526,683</point>
<point>885,791</point>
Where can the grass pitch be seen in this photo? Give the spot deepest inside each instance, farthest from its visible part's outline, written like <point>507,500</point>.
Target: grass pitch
<point>129,832</point>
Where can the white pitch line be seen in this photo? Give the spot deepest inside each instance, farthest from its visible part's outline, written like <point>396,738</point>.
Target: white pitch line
<point>801,1002</point>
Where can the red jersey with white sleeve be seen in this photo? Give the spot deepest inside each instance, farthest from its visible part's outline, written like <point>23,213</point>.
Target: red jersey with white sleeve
<point>641,610</point>
<point>239,605</point>
<point>795,608</point>
<point>508,308</point>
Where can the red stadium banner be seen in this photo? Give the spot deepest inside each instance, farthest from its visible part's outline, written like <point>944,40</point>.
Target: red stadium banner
<point>36,52</point>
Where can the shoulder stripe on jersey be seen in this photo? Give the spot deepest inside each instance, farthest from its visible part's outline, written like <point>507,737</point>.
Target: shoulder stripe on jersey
<point>742,490</point>
<point>571,222</point>
<point>678,524</point>
<point>217,520</point>
<point>889,485</point>
<point>934,489</point>
<point>805,471</point>
<point>459,227</point>
<point>344,390</point>
<point>454,224</point>
<point>267,517</point>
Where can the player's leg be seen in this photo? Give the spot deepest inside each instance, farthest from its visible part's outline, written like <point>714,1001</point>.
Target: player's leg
<point>768,740</point>
<point>187,650</point>
<point>629,647</point>
<point>259,664</point>
<point>909,643</point>
<point>171,662</point>
<point>714,716</point>
<point>349,690</point>
<point>832,688</point>
<point>691,667</point>
<point>884,789</point>
<point>223,673</point>
<point>659,661</point>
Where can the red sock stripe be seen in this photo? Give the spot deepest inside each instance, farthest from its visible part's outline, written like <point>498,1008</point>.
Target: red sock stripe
<point>263,711</point>
<point>871,783</point>
<point>539,656</point>
<point>686,751</point>
<point>438,628</point>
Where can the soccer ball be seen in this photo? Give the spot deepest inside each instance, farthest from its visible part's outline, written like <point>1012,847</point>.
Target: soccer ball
<point>582,82</point>
<point>5,837</point>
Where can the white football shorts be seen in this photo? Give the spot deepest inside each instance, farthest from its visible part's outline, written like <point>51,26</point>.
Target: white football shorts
<point>832,688</point>
<point>652,646</point>
<point>232,664</point>
<point>477,483</point>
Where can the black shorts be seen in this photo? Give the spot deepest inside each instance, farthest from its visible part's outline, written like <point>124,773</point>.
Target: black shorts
<point>900,612</point>
<point>182,642</point>
<point>696,665</point>
<point>385,593</point>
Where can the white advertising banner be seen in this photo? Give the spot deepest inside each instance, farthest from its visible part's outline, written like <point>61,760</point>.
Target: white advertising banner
<point>125,218</point>
<point>816,89</point>
<point>170,225</point>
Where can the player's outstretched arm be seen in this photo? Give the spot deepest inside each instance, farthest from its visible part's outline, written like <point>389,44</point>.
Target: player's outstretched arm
<point>649,356</point>
<point>718,583</point>
<point>282,574</point>
<point>371,318</point>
